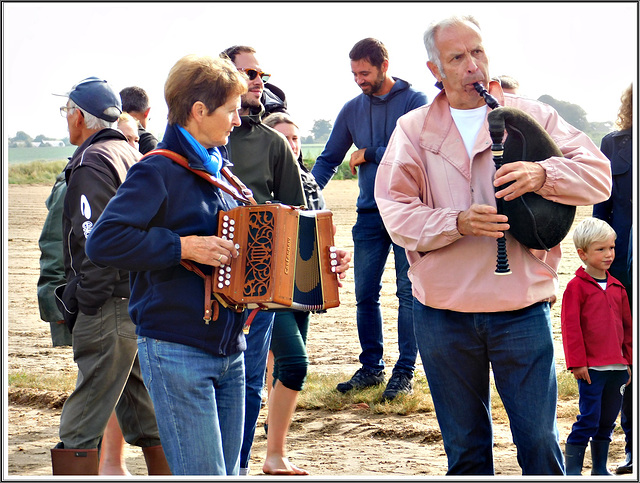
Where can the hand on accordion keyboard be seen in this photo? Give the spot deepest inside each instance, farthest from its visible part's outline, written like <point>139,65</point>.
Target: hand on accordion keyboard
<point>343,259</point>
<point>209,250</point>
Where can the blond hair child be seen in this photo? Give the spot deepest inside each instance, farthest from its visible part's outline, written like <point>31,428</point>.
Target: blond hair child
<point>596,335</point>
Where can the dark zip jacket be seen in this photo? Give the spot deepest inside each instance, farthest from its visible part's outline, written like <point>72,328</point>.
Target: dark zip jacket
<point>140,231</point>
<point>617,210</point>
<point>367,122</point>
<point>93,175</point>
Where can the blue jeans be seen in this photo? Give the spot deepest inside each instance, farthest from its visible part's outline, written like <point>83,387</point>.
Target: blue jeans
<point>371,246</point>
<point>599,406</point>
<point>199,403</point>
<point>255,360</point>
<point>457,349</point>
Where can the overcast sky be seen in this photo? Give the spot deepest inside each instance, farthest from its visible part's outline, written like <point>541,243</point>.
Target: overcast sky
<point>584,53</point>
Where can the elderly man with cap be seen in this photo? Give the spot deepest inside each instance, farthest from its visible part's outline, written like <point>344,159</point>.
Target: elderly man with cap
<point>95,299</point>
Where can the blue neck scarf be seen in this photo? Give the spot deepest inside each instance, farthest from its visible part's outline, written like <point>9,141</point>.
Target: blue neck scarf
<point>211,158</point>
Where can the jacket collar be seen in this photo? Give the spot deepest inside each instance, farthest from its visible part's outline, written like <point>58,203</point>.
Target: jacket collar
<point>254,117</point>
<point>101,135</point>
<point>582,273</point>
<point>398,87</point>
<point>174,140</point>
<point>438,124</point>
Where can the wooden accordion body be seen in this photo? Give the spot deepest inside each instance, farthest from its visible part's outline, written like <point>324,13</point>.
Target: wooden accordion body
<point>285,258</point>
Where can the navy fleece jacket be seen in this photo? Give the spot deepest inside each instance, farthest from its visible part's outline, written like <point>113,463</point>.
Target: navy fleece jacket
<point>140,231</point>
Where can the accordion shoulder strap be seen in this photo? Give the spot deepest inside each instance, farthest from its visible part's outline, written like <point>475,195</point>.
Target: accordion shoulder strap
<point>240,192</point>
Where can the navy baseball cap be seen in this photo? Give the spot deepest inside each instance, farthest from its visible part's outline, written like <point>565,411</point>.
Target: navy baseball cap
<point>95,96</point>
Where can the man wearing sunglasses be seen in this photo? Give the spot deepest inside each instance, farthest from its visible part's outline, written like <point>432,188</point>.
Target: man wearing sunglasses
<point>264,162</point>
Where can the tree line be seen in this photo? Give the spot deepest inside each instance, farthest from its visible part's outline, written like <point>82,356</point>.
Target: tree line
<point>319,133</point>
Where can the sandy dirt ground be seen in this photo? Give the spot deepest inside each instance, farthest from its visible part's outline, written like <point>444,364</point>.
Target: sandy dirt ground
<point>351,442</point>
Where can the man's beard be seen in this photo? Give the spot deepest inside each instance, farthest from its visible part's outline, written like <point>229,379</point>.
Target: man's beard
<point>247,102</point>
<point>375,86</point>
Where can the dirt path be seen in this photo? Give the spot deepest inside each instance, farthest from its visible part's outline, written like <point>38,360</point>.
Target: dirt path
<point>349,442</point>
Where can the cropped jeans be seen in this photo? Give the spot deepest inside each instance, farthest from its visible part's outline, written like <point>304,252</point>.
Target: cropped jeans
<point>371,246</point>
<point>458,350</point>
<point>199,403</point>
<point>255,359</point>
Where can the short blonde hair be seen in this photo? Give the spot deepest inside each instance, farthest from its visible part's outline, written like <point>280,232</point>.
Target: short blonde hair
<point>126,117</point>
<point>591,230</point>
<point>210,80</point>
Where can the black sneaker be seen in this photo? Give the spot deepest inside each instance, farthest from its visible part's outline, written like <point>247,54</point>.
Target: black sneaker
<point>362,379</point>
<point>399,383</point>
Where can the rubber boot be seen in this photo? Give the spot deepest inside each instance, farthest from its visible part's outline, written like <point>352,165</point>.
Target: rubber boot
<point>156,460</point>
<point>74,461</point>
<point>599,454</point>
<point>574,457</point>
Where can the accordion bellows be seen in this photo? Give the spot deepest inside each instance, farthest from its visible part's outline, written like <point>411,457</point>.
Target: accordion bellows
<point>285,261</point>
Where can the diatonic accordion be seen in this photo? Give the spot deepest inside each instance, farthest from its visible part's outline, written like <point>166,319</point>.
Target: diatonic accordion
<point>286,258</point>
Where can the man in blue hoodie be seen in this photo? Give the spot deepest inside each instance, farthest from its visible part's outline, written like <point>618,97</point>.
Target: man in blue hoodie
<point>367,122</point>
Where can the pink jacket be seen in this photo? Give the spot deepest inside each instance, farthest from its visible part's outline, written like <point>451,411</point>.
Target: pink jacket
<point>425,179</point>
<point>596,323</point>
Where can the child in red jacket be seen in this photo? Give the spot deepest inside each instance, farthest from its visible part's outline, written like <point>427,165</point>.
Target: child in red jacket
<point>596,335</point>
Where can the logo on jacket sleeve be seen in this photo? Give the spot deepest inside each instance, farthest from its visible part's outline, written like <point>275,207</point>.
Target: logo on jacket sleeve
<point>85,209</point>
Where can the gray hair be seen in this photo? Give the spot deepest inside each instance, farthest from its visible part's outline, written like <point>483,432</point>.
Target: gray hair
<point>591,230</point>
<point>430,35</point>
<point>93,122</point>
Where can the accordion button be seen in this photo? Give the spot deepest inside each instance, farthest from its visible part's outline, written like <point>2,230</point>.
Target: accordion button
<point>232,221</point>
<point>237,247</point>
<point>332,249</point>
<point>228,269</point>
<point>225,217</point>
<point>334,262</point>
<point>227,283</point>
<point>220,285</point>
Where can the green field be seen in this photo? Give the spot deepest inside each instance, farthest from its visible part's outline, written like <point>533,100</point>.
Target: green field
<point>48,153</point>
<point>27,155</point>
<point>31,165</point>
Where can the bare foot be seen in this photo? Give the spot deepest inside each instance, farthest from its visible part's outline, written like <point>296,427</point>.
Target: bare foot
<point>114,469</point>
<point>281,466</point>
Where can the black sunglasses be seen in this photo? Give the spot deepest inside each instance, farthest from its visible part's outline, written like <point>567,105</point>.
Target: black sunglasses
<point>253,73</point>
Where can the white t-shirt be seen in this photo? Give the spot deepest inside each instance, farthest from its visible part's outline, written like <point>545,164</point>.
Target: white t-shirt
<point>469,122</point>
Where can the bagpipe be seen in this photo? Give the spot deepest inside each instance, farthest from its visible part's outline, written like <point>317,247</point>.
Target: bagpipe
<point>536,222</point>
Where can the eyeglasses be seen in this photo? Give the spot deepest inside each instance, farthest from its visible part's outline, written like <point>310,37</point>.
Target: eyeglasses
<point>66,111</point>
<point>253,73</point>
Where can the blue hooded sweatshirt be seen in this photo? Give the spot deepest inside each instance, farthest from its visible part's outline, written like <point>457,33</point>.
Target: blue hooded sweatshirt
<point>140,231</point>
<point>366,121</point>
